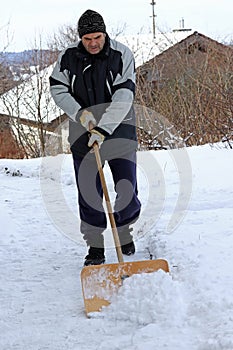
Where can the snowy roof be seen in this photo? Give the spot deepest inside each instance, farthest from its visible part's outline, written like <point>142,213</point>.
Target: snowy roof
<point>145,47</point>
<point>32,99</point>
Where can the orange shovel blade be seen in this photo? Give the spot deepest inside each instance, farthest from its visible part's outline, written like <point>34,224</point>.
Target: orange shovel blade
<point>101,282</point>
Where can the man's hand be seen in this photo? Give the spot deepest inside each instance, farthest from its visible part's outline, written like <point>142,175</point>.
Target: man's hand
<point>96,136</point>
<point>87,118</point>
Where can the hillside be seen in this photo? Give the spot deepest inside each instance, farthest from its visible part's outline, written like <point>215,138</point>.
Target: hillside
<point>16,66</point>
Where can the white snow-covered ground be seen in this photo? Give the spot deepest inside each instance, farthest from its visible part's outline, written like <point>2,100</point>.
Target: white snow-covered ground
<point>187,218</point>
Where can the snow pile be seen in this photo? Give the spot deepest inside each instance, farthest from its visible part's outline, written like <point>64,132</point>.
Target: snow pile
<point>148,298</point>
<point>12,167</point>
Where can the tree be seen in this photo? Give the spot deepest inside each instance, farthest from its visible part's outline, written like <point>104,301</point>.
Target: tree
<point>6,76</point>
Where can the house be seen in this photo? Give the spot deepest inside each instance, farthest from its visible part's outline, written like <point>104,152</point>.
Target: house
<point>30,110</point>
<point>20,137</point>
<point>9,147</point>
<point>190,86</point>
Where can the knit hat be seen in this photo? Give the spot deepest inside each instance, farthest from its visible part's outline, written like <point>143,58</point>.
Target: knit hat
<point>90,22</point>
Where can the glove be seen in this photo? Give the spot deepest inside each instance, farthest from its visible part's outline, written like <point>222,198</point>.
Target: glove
<point>96,136</point>
<point>86,118</point>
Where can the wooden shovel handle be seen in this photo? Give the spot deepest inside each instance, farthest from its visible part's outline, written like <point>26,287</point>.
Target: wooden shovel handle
<point>108,203</point>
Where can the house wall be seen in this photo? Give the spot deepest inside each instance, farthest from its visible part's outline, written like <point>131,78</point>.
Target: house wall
<point>9,148</point>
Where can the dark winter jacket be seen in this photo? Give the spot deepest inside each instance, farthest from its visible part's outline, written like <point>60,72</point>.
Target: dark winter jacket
<point>104,84</point>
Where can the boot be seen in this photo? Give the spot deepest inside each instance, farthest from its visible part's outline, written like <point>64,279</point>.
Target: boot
<point>95,256</point>
<point>126,239</point>
<point>128,249</point>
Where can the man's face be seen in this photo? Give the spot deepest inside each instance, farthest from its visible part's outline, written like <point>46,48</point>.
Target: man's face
<point>93,42</point>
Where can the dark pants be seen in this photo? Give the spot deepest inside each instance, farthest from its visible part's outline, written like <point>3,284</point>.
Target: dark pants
<point>90,196</point>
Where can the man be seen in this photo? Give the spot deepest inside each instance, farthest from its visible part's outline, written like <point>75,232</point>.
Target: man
<point>93,82</point>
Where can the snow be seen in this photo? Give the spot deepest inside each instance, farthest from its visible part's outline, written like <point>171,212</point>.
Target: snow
<point>41,257</point>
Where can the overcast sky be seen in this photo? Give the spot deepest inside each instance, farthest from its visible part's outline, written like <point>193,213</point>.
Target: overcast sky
<point>30,19</point>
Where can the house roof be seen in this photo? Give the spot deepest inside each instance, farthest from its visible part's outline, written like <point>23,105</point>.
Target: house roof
<point>145,47</point>
<point>189,43</point>
<point>31,99</point>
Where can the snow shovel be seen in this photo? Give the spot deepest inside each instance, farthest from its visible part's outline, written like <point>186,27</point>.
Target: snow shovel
<point>101,282</point>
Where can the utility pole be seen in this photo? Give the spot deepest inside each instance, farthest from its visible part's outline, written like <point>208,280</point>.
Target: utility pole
<point>153,17</point>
